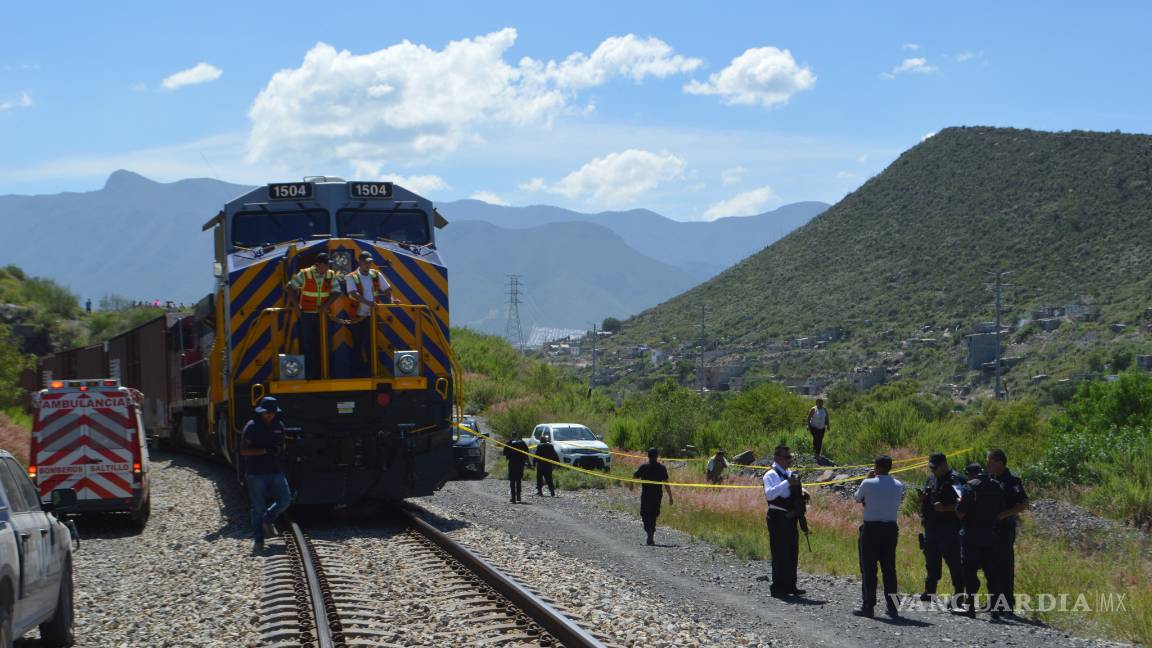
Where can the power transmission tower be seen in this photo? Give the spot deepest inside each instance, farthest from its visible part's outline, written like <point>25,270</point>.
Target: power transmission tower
<point>592,376</point>
<point>513,332</point>
<point>700,358</point>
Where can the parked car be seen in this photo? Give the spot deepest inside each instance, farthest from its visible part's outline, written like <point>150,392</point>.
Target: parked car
<point>35,560</point>
<point>88,435</point>
<point>575,443</point>
<point>468,449</point>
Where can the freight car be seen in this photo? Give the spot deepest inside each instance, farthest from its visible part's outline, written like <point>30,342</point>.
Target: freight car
<point>374,419</point>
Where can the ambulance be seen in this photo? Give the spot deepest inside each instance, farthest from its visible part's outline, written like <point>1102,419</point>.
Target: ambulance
<point>88,435</point>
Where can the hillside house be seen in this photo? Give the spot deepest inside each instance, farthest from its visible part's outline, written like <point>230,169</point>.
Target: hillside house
<point>865,378</point>
<point>1049,324</point>
<point>1144,362</point>
<point>981,349</point>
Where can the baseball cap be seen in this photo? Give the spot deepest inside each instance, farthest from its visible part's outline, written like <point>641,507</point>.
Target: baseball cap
<point>268,404</point>
<point>366,255</point>
<point>973,469</point>
<point>936,459</point>
<point>322,257</point>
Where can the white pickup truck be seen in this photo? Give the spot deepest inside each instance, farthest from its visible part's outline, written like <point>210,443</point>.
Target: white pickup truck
<point>35,560</point>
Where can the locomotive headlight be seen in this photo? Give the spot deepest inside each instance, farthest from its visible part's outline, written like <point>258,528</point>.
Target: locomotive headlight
<point>291,367</point>
<point>407,363</point>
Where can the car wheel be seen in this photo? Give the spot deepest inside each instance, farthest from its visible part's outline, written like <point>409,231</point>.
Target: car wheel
<point>59,631</point>
<point>140,517</point>
<point>6,637</point>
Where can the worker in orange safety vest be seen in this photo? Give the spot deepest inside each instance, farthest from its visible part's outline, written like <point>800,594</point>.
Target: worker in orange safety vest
<point>309,292</point>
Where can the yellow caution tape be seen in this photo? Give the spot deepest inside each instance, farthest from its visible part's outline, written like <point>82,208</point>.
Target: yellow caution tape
<point>921,459</point>
<point>633,480</point>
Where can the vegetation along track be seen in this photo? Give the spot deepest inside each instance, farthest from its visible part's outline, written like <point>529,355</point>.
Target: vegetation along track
<point>411,585</point>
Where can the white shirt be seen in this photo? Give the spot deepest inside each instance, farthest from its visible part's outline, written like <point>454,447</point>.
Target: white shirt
<point>365,282</point>
<point>776,487</point>
<point>882,496</point>
<point>819,418</point>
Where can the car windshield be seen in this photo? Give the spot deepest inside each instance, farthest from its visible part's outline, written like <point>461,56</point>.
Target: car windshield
<point>402,225</point>
<point>465,435</point>
<point>254,229</point>
<point>580,433</point>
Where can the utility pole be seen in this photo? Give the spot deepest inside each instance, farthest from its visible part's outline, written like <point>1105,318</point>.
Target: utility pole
<point>512,329</point>
<point>592,377</point>
<point>999,284</point>
<point>700,359</point>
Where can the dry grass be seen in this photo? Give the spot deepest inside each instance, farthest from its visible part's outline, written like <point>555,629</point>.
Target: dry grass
<point>14,437</point>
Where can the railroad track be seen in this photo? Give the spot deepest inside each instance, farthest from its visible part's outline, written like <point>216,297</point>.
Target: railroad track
<point>315,595</point>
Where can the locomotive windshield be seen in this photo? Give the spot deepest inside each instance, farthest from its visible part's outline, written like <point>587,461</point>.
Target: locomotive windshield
<point>253,229</point>
<point>401,225</point>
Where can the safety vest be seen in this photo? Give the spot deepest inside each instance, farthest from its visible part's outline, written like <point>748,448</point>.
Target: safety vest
<point>379,284</point>
<point>313,292</point>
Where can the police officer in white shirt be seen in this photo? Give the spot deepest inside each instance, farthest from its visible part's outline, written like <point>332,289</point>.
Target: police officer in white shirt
<point>881,494</point>
<point>783,535</point>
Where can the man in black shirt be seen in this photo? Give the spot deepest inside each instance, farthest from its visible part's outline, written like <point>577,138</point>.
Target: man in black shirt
<point>651,494</point>
<point>1015,503</point>
<point>262,441</point>
<point>941,539</point>
<point>516,454</point>
<point>981,502</point>
<point>544,469</point>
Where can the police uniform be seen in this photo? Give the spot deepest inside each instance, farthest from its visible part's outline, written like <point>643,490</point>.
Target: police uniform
<point>544,469</point>
<point>882,496</point>
<point>941,532</point>
<point>1014,494</point>
<point>516,466</point>
<point>979,542</point>
<point>783,531</point>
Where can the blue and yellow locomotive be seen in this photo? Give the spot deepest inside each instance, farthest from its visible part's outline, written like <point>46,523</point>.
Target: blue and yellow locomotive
<point>367,423</point>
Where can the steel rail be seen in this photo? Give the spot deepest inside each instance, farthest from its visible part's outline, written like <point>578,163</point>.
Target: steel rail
<point>324,634</point>
<point>547,617</point>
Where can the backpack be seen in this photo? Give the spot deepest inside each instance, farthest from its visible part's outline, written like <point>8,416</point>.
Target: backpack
<point>988,499</point>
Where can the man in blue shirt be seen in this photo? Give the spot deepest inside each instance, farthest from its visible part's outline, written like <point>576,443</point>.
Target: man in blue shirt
<point>881,494</point>
<point>262,441</point>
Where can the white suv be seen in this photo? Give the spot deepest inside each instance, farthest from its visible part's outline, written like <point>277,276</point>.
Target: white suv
<point>575,443</point>
<point>35,560</point>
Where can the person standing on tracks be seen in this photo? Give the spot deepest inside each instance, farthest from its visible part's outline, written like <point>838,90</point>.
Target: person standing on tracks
<point>817,426</point>
<point>783,524</point>
<point>310,293</point>
<point>366,287</point>
<point>516,453</point>
<point>545,450</point>
<point>941,537</point>
<point>881,494</point>
<point>261,443</point>
<point>650,493</point>
<point>1015,503</point>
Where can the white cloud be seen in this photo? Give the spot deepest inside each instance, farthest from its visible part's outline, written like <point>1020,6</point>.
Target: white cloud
<point>200,73</point>
<point>624,56</point>
<point>742,204</point>
<point>733,176</point>
<point>421,184</point>
<point>413,102</point>
<point>966,56</point>
<point>763,75</point>
<point>911,46</point>
<point>846,175</point>
<point>489,197</point>
<point>927,135</point>
<point>617,179</point>
<point>862,158</point>
<point>23,101</point>
<point>916,65</point>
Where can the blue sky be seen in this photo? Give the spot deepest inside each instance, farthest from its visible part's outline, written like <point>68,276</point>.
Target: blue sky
<point>689,110</point>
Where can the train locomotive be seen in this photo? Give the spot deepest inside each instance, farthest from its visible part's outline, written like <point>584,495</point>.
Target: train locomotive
<point>373,420</point>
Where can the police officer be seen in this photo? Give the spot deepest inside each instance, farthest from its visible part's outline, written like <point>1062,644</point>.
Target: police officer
<point>981,503</point>
<point>783,532</point>
<point>545,450</point>
<point>881,494</point>
<point>941,538</point>
<point>1015,503</point>
<point>650,494</point>
<point>310,292</point>
<point>516,454</point>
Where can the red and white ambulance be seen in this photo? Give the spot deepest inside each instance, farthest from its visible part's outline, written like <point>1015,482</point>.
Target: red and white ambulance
<point>88,435</point>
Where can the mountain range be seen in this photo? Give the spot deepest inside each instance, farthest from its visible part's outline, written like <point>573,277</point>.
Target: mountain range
<point>141,239</point>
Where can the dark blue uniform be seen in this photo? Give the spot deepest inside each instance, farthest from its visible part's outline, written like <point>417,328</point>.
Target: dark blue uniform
<point>979,539</point>
<point>1014,494</point>
<point>516,466</point>
<point>941,532</point>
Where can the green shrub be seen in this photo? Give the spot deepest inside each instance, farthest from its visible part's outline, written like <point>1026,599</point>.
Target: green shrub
<point>1125,483</point>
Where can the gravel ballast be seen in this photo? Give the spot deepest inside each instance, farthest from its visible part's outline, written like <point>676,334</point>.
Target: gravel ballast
<point>187,579</point>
